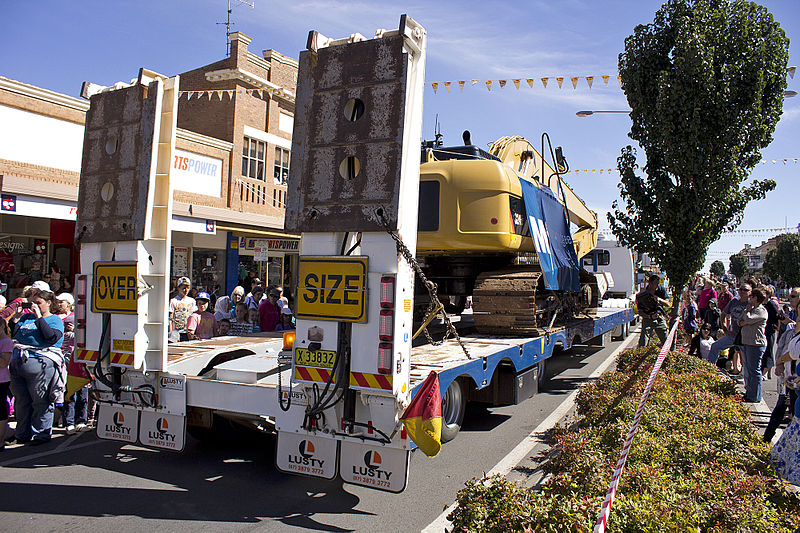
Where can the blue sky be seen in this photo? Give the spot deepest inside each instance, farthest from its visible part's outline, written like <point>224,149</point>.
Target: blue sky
<point>57,45</point>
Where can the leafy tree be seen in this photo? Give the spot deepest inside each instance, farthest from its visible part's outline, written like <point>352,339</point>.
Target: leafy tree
<point>739,266</point>
<point>784,261</point>
<point>705,82</point>
<point>718,268</point>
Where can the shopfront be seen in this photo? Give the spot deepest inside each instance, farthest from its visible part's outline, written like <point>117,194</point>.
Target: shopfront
<point>273,260</point>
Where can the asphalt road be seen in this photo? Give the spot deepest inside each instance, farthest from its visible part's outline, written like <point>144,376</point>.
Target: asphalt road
<point>81,483</point>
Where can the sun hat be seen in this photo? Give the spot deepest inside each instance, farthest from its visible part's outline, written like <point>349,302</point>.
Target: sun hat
<point>41,285</point>
<point>183,280</point>
<point>66,297</point>
<point>286,311</point>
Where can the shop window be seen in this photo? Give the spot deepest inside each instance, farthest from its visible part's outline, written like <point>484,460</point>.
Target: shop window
<point>253,158</point>
<point>281,165</point>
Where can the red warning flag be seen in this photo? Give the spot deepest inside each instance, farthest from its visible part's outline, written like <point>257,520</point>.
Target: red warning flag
<point>423,417</point>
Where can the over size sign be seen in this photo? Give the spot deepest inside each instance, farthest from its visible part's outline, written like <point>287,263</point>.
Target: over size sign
<point>114,287</point>
<point>332,288</point>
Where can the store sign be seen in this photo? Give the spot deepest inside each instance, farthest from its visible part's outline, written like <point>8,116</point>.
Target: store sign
<point>283,245</point>
<point>10,246</point>
<point>180,261</point>
<point>260,250</point>
<point>9,202</point>
<point>196,173</point>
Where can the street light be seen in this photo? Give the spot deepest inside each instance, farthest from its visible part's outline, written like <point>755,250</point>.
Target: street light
<point>588,113</point>
<point>789,94</point>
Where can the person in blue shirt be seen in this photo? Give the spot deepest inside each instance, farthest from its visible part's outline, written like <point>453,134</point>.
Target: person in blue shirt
<point>38,372</point>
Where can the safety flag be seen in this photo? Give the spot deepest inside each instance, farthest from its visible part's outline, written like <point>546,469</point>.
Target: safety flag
<point>423,417</point>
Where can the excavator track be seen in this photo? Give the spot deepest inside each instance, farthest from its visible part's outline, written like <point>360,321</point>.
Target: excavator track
<point>510,302</point>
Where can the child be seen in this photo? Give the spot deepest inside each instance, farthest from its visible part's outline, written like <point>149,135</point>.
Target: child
<point>701,343</point>
<point>242,325</point>
<point>252,316</point>
<point>6,348</point>
<point>286,319</point>
<point>223,327</point>
<point>201,324</point>
<point>711,316</point>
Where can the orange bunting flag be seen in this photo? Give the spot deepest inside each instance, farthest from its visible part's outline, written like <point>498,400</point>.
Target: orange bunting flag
<point>560,81</point>
<point>605,79</point>
<point>423,417</point>
<point>574,82</point>
<point>435,86</point>
<point>590,80</point>
<point>489,85</point>
<point>230,95</point>
<point>530,82</point>
<point>619,79</point>
<point>447,85</point>
<point>461,84</point>
<point>502,84</point>
<point>474,82</point>
<point>544,82</point>
<point>516,83</point>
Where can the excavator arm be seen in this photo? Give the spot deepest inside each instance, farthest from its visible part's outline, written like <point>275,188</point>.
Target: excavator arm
<point>519,154</point>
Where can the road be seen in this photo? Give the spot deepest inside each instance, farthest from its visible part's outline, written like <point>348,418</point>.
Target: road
<point>81,483</point>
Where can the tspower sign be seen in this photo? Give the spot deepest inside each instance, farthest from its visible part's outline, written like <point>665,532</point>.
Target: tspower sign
<point>196,173</point>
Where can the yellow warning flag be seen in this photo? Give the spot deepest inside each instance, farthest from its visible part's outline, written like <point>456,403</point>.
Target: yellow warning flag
<point>489,84</point>
<point>544,82</point>
<point>590,80</point>
<point>605,79</point>
<point>461,84</point>
<point>574,81</point>
<point>560,82</point>
<point>447,85</point>
<point>435,86</point>
<point>530,82</point>
<point>423,417</point>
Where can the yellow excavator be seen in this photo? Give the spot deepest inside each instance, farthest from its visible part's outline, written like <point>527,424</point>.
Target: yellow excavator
<point>491,225</point>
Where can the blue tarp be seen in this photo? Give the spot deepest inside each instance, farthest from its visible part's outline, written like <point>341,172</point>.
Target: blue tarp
<point>550,233</point>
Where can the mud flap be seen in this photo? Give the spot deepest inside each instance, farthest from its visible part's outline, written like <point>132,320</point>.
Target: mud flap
<point>376,467</point>
<point>306,454</point>
<point>118,423</point>
<point>161,430</point>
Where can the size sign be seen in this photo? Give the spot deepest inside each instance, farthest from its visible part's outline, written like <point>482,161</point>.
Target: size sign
<point>333,288</point>
<point>114,287</point>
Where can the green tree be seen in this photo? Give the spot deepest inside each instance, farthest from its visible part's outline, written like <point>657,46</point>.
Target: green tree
<point>705,82</point>
<point>784,261</point>
<point>717,268</point>
<point>739,266</point>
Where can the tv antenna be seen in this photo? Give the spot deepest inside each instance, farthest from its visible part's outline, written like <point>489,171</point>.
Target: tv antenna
<point>228,23</point>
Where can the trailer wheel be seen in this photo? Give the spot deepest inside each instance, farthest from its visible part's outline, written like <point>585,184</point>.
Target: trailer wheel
<point>540,378</point>
<point>454,403</point>
<point>619,333</point>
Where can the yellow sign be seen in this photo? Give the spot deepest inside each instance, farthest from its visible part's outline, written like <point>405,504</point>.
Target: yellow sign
<point>333,288</point>
<point>122,345</point>
<point>114,287</point>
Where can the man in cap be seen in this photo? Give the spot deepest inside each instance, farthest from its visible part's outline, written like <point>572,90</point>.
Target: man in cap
<point>201,324</point>
<point>180,307</point>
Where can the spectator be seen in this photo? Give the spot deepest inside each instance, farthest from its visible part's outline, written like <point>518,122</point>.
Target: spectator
<point>650,304</point>
<point>729,320</point>
<point>269,311</point>
<point>6,348</point>
<point>711,318</point>
<point>785,455</point>
<point>254,319</point>
<point>771,331</point>
<point>754,342</point>
<point>201,324</point>
<point>180,307</point>
<point>701,343</point>
<point>223,327</point>
<point>226,306</point>
<point>724,295</point>
<point>785,368</point>
<point>241,326</point>
<point>37,367</point>
<point>706,293</point>
<point>64,305</point>
<point>253,300</point>
<point>76,408</point>
<point>286,318</point>
<point>689,316</point>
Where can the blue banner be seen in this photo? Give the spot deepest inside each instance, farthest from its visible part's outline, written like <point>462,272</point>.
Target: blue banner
<point>549,229</point>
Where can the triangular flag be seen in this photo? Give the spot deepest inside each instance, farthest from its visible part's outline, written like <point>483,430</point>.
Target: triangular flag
<point>208,93</point>
<point>560,81</point>
<point>260,93</point>
<point>544,82</point>
<point>530,82</point>
<point>189,95</point>
<point>461,84</point>
<point>590,80</point>
<point>574,81</point>
<point>791,70</point>
<point>447,85</point>
<point>423,417</point>
<point>516,83</point>
<point>230,95</point>
<point>219,94</point>
<point>605,79</point>
<point>474,82</point>
<point>435,86</point>
<point>489,85</point>
<point>619,79</point>
<point>502,84</point>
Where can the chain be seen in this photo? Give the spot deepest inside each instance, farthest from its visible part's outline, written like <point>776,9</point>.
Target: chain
<point>429,285</point>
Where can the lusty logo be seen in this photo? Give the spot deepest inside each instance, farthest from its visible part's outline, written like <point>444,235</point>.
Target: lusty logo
<point>168,382</point>
<point>372,462</point>
<point>306,456</point>
<point>118,424</point>
<point>161,433</point>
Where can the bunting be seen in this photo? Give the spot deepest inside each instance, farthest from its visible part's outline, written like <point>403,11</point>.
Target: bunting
<point>784,161</point>
<point>220,94</point>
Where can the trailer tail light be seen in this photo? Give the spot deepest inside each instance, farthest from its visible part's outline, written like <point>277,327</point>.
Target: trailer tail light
<point>80,311</point>
<point>386,325</point>
<point>288,340</point>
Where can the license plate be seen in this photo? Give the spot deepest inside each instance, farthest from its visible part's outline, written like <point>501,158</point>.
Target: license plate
<point>332,288</point>
<point>315,358</point>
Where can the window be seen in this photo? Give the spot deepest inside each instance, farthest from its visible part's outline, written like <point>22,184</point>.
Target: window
<point>281,165</point>
<point>603,257</point>
<point>253,158</point>
<point>428,215</point>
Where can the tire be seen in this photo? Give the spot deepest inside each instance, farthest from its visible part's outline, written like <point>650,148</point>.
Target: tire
<point>541,380</point>
<point>454,403</point>
<point>619,332</point>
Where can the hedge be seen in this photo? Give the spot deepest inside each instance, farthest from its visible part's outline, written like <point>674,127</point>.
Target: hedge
<point>696,464</point>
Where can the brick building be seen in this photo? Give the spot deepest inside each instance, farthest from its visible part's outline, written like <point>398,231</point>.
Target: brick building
<point>229,170</point>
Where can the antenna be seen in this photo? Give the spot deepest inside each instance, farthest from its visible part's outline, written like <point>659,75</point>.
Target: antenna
<point>228,23</point>
<point>437,132</point>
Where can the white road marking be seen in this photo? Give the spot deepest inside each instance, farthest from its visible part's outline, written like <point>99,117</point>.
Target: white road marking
<point>56,450</point>
<point>441,523</point>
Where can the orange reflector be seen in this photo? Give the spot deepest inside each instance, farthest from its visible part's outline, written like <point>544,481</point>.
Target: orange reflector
<point>288,340</point>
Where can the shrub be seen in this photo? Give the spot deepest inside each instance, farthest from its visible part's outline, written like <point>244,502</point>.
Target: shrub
<point>696,464</point>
